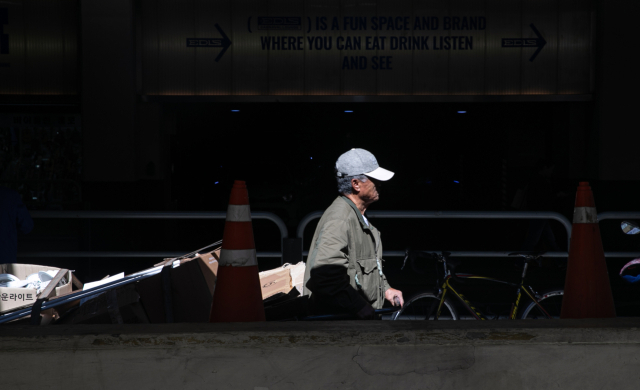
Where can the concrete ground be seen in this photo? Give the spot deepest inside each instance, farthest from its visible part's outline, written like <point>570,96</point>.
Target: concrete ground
<point>567,354</point>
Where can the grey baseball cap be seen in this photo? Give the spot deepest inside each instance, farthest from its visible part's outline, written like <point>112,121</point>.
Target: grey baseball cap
<point>361,162</point>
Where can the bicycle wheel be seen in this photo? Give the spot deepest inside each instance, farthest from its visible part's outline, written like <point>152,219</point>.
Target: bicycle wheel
<point>421,305</point>
<point>551,301</point>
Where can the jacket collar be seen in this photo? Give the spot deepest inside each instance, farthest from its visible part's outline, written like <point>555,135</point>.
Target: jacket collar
<point>358,213</point>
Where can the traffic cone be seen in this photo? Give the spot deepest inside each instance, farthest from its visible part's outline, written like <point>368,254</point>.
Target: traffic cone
<point>587,291</point>
<point>238,297</point>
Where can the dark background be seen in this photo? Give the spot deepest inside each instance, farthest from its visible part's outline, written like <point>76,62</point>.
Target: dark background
<point>168,154</point>
<point>443,160</point>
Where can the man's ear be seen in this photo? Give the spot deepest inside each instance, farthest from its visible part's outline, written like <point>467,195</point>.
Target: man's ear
<point>355,184</point>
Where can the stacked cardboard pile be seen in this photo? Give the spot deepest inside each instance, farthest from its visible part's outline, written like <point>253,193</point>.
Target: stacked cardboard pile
<point>175,290</point>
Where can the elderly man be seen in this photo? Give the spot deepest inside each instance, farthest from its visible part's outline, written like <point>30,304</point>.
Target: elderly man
<point>344,267</point>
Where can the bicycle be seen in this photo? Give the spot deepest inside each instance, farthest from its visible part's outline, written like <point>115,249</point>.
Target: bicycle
<point>438,305</point>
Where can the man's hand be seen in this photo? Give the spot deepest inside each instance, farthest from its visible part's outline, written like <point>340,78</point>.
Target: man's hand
<point>366,313</point>
<point>394,296</point>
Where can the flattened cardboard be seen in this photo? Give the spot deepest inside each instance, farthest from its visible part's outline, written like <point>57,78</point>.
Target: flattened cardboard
<point>209,267</point>
<point>275,281</point>
<point>96,310</point>
<point>192,287</point>
<point>14,297</point>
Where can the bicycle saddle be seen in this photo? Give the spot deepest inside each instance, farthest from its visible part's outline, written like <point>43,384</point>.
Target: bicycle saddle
<point>527,254</point>
<point>528,257</point>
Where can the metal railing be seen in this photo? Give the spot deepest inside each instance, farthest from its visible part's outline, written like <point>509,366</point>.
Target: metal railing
<point>43,182</point>
<point>620,215</point>
<point>39,214</point>
<point>306,220</point>
<point>455,215</point>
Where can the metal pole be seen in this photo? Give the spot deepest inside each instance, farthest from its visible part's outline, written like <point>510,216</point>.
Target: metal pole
<point>476,254</point>
<point>618,215</point>
<point>122,254</point>
<point>454,215</point>
<point>156,215</point>
<point>481,254</point>
<point>58,214</point>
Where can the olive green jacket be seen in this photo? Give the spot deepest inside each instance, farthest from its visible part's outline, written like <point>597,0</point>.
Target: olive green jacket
<point>344,267</point>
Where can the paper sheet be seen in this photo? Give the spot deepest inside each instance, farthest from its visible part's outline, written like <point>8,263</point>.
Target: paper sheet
<point>90,285</point>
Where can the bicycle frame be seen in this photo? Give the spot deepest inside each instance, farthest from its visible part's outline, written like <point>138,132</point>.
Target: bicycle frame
<point>477,314</point>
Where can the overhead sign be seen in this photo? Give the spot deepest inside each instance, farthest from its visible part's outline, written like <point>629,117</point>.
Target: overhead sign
<point>378,47</point>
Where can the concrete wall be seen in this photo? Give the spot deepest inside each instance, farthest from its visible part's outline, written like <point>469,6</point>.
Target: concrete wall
<point>565,354</point>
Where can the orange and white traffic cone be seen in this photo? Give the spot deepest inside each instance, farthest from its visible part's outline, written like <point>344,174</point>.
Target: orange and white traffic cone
<point>238,297</point>
<point>587,291</point>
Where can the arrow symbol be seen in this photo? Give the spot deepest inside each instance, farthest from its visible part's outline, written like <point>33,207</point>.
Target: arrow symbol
<point>527,42</point>
<point>223,42</point>
<point>226,42</point>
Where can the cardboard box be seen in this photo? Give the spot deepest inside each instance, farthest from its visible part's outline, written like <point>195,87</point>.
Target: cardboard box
<point>275,281</point>
<point>13,298</point>
<point>282,279</point>
<point>192,287</point>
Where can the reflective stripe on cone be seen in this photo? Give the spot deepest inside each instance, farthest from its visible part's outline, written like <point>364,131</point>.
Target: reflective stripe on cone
<point>585,215</point>
<point>238,213</point>
<point>238,257</point>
